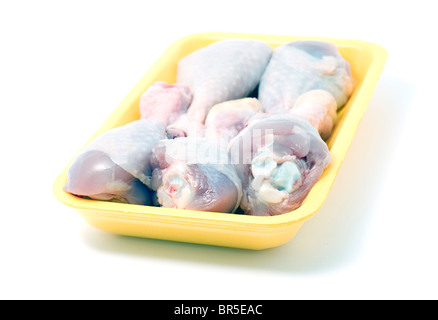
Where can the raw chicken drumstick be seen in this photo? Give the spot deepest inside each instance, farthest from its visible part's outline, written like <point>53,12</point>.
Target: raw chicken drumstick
<point>116,165</point>
<point>300,66</point>
<point>194,173</point>
<point>278,158</point>
<point>225,70</point>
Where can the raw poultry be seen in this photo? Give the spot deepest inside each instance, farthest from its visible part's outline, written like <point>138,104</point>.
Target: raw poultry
<point>203,143</point>
<point>225,70</point>
<point>116,165</point>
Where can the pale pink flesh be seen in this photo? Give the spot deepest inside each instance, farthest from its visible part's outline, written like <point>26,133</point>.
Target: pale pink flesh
<point>164,102</point>
<point>319,108</point>
<point>188,174</point>
<point>293,139</point>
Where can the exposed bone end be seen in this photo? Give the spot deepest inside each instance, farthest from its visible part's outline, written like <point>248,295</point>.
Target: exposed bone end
<point>165,102</point>
<point>273,180</point>
<point>175,192</point>
<point>319,108</point>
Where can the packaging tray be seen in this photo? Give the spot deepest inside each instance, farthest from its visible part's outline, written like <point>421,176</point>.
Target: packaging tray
<point>232,230</point>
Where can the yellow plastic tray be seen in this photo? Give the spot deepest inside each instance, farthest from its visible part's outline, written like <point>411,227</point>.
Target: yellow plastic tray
<point>251,232</point>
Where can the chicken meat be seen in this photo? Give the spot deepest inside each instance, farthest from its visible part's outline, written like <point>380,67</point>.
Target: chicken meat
<point>165,102</point>
<point>195,173</point>
<point>222,71</point>
<point>278,159</point>
<point>319,108</point>
<point>225,120</point>
<point>116,165</point>
<point>301,66</point>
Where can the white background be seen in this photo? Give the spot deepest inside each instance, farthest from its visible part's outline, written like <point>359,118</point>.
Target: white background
<point>65,65</point>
